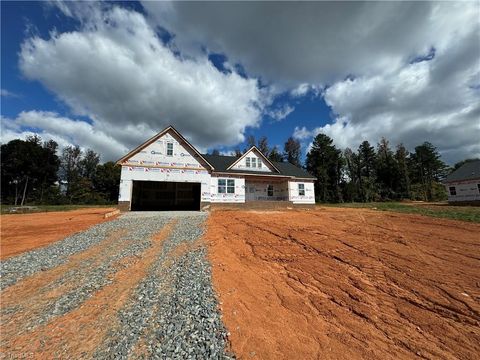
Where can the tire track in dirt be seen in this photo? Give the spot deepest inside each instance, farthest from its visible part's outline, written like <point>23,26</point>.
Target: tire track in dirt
<point>25,300</point>
<point>358,283</point>
<point>89,323</point>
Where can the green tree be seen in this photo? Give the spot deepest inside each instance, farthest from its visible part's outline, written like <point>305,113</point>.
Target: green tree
<point>367,178</point>
<point>107,178</point>
<point>263,146</point>
<point>27,169</point>
<point>70,166</point>
<point>351,187</point>
<point>427,169</point>
<point>88,164</point>
<point>403,180</point>
<point>292,151</point>
<point>386,171</point>
<point>275,155</point>
<point>324,161</point>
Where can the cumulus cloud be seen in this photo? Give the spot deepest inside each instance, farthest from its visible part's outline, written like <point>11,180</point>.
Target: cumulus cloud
<point>116,71</point>
<point>65,131</point>
<point>280,113</point>
<point>405,70</point>
<point>314,42</point>
<point>302,133</point>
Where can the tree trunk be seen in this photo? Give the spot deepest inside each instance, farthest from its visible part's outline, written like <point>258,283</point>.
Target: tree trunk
<point>16,192</point>
<point>24,191</point>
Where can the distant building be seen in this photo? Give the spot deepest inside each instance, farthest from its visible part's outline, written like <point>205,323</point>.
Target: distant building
<point>463,185</point>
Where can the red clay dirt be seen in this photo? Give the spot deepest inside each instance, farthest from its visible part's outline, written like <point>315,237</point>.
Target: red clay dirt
<point>346,283</point>
<point>25,232</point>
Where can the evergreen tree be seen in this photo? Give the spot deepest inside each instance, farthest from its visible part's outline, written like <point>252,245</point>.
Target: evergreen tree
<point>292,151</point>
<point>352,174</point>
<point>403,180</point>
<point>324,161</point>
<point>263,146</point>
<point>275,155</point>
<point>367,158</point>
<point>427,168</point>
<point>386,170</point>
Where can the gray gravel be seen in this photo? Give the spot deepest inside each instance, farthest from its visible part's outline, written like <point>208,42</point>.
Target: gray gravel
<point>173,311</point>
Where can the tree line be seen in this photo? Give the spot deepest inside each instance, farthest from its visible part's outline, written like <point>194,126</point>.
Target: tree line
<point>33,173</point>
<point>380,173</point>
<point>376,174</point>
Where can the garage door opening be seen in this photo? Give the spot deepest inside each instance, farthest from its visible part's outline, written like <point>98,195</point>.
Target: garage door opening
<point>159,195</point>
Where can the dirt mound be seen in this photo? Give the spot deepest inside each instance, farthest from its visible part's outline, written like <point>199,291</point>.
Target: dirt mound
<point>346,283</point>
<point>25,232</point>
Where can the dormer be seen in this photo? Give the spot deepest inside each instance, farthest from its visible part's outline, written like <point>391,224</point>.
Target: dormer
<point>254,160</point>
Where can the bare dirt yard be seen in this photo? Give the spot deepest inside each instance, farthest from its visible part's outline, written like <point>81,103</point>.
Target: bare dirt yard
<point>25,232</point>
<point>346,283</point>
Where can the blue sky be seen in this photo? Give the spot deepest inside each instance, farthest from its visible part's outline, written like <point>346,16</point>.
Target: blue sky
<point>107,76</point>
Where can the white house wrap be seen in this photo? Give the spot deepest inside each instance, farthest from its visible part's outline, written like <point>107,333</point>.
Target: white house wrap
<point>168,173</point>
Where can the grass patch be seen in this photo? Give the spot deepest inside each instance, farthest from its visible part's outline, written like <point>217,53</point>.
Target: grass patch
<point>440,210</point>
<point>5,209</point>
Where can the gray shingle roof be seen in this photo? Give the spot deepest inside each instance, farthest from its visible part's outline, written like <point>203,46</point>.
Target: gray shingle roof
<point>469,170</point>
<point>221,163</point>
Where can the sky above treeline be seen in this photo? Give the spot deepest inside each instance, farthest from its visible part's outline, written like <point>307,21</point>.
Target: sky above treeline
<point>108,76</point>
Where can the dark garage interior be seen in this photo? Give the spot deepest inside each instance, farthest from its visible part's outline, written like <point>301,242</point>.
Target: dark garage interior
<point>159,195</point>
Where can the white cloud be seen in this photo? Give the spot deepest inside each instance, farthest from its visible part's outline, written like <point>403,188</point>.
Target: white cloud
<point>303,89</point>
<point>6,93</point>
<point>65,131</point>
<point>116,71</point>
<point>366,55</point>
<point>315,42</point>
<point>302,133</point>
<point>280,113</point>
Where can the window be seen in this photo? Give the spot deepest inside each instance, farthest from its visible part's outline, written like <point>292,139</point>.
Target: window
<point>169,149</point>
<point>230,186</point>
<point>226,186</point>
<point>222,188</point>
<point>301,189</point>
<point>254,162</point>
<point>259,163</point>
<point>478,186</point>
<point>452,190</point>
<point>270,190</point>
<point>247,162</point>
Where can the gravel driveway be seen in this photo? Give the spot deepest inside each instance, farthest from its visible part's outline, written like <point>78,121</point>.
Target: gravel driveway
<point>138,287</point>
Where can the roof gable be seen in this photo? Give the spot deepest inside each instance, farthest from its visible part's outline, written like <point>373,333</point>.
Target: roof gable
<point>175,133</point>
<point>259,154</point>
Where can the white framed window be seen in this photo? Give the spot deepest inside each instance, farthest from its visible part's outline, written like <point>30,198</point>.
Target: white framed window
<point>226,186</point>
<point>453,190</point>
<point>222,186</point>
<point>301,189</point>
<point>254,162</point>
<point>230,186</point>
<point>259,163</point>
<point>270,190</point>
<point>247,162</point>
<point>169,149</point>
